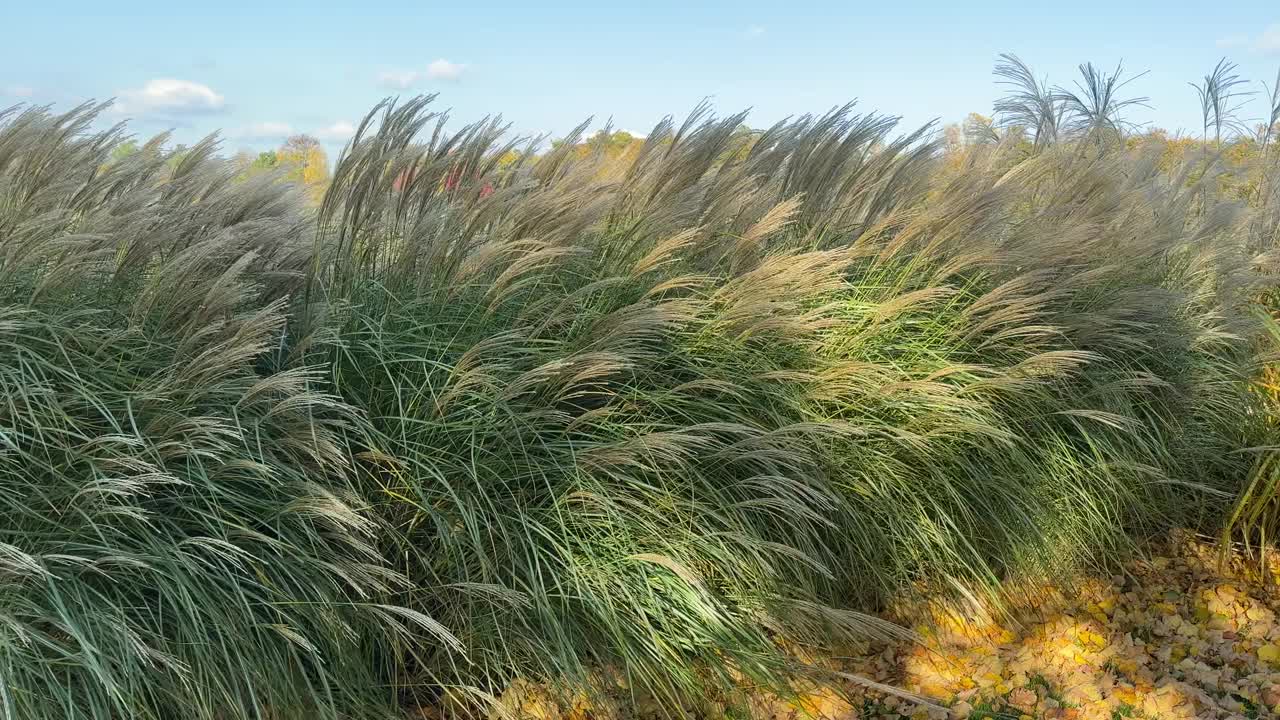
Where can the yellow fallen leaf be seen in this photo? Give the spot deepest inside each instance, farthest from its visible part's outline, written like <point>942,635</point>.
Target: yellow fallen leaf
<point>1127,666</point>
<point>1270,654</point>
<point>1091,640</point>
<point>1126,695</point>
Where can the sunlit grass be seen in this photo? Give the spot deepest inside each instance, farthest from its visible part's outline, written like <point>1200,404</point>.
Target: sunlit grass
<point>656,418</point>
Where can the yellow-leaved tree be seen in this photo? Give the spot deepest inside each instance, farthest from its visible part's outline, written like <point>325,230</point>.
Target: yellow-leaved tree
<point>306,163</point>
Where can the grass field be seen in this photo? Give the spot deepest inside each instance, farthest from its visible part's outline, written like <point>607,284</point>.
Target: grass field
<point>650,414</point>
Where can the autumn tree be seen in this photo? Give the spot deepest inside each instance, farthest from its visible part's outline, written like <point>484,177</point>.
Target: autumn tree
<point>305,162</point>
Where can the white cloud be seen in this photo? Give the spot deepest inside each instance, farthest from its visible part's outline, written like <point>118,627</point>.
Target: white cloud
<point>398,79</point>
<point>167,96</point>
<point>265,131</point>
<point>1266,42</point>
<point>444,70</point>
<point>1269,40</point>
<point>340,130</point>
<point>21,91</point>
<point>754,31</point>
<point>401,79</point>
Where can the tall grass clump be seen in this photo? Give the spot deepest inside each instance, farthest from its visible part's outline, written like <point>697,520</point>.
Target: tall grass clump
<point>1066,372</point>
<point>656,420</point>
<point>181,536</point>
<point>660,420</point>
<point>580,392</point>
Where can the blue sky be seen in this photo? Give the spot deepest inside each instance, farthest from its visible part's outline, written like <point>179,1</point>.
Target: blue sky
<point>259,70</point>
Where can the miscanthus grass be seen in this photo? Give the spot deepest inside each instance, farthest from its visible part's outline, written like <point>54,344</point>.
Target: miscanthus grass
<point>663,418</point>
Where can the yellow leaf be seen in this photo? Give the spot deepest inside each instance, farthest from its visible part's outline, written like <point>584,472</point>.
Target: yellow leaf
<point>1270,654</point>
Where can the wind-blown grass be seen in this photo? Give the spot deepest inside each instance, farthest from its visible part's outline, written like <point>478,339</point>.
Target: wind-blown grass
<point>655,419</point>
<point>181,535</point>
<point>643,425</point>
